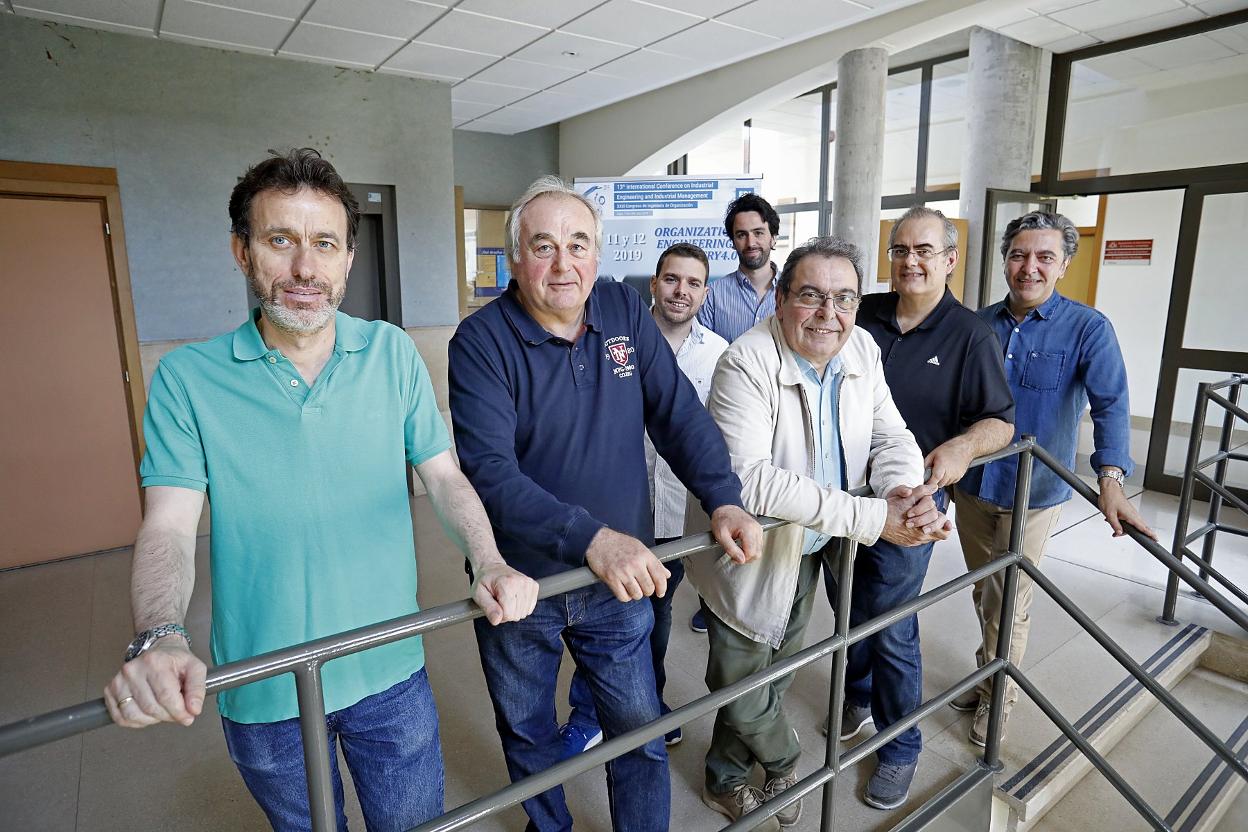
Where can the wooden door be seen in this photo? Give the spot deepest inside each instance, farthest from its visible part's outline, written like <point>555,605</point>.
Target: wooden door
<point>1079,282</point>
<point>66,447</point>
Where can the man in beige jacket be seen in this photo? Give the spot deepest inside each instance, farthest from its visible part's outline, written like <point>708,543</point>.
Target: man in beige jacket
<point>802,402</point>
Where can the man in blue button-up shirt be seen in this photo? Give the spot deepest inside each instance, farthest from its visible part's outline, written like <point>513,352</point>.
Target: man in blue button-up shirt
<point>553,389</point>
<point>1060,357</point>
<point>738,301</point>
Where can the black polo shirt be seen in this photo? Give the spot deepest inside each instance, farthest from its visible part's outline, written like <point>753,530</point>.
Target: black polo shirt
<point>946,374</point>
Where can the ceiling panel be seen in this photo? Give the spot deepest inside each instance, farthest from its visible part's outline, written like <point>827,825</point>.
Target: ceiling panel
<point>277,8</point>
<point>547,13</point>
<point>402,18</point>
<point>715,43</point>
<point>704,8</point>
<point>1038,31</point>
<point>578,52</point>
<point>1173,54</point>
<point>651,67</point>
<point>1048,6</point>
<point>326,43</point>
<point>198,20</point>
<point>595,87</point>
<point>631,22</point>
<point>482,93</point>
<point>1232,37</point>
<point>1212,7</point>
<point>525,74</point>
<point>1151,23</point>
<point>1071,43</point>
<point>795,17</point>
<point>429,59</point>
<point>1101,13</point>
<point>1119,66</point>
<point>469,109</point>
<point>480,33</point>
<point>123,14</point>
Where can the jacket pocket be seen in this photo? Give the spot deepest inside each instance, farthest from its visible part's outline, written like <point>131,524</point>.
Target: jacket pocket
<point>1043,370</point>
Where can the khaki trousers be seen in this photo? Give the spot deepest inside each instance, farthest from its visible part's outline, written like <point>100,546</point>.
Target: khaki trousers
<point>984,530</point>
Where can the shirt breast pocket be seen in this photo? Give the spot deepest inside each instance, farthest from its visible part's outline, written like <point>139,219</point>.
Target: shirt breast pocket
<point>1043,370</point>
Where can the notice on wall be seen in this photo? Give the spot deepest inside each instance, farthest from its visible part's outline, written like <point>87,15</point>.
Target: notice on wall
<point>1128,252</point>
<point>493,273</point>
<point>642,216</point>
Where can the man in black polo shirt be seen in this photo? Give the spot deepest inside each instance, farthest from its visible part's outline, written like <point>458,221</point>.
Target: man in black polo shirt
<point>944,368</point>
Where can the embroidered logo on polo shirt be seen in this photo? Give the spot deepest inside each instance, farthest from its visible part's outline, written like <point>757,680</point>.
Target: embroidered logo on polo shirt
<point>934,361</point>
<point>620,351</point>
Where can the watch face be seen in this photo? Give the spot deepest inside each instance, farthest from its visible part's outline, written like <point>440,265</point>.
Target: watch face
<point>137,646</point>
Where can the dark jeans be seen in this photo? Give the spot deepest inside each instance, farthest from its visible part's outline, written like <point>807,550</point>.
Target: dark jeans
<point>610,641</point>
<point>583,715</point>
<point>885,671</point>
<point>389,740</point>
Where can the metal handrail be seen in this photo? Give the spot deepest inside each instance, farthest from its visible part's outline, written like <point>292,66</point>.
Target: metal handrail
<point>306,660</point>
<point>1193,472</point>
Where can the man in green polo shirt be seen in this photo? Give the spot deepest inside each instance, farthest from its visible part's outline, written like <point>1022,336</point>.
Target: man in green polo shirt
<point>299,426</point>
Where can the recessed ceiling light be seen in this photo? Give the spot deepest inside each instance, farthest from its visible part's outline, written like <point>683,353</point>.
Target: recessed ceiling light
<point>568,53</point>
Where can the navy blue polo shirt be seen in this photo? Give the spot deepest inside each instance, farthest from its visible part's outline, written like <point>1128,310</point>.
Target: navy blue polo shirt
<point>550,432</point>
<point>946,374</point>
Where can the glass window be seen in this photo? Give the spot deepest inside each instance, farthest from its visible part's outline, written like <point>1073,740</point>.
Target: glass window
<point>946,135</point>
<point>901,131</point>
<point>1212,322</point>
<point>723,153</point>
<point>831,143</point>
<point>796,227</point>
<point>784,150</point>
<point>1177,104</point>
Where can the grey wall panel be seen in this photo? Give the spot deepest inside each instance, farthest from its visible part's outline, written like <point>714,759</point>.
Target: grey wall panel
<point>181,123</point>
<point>494,170</point>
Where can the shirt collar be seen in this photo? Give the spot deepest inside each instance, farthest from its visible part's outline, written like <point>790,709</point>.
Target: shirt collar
<point>249,345</point>
<point>741,277</point>
<point>832,369</point>
<point>887,310</point>
<point>1045,310</point>
<point>529,329</point>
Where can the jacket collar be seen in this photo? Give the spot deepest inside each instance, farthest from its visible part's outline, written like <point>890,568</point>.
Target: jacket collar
<point>853,355</point>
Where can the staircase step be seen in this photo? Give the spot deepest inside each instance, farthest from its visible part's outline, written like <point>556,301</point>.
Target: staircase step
<point>1177,774</point>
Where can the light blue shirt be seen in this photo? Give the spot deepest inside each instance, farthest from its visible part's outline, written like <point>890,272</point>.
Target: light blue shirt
<point>732,306</point>
<point>821,395</point>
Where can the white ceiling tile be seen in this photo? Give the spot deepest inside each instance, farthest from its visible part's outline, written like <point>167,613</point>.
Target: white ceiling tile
<point>1102,13</point>
<point>218,44</point>
<point>705,8</point>
<point>594,87</point>
<point>478,126</point>
<point>1152,23</point>
<point>792,18</point>
<point>480,33</point>
<point>1173,54</point>
<point>1047,6</point>
<point>278,8</point>
<point>547,13</point>
<point>564,49</point>
<point>424,76</point>
<point>1232,37</point>
<point>631,22</point>
<point>649,66</point>
<point>512,121</point>
<point>428,59</point>
<point>483,93</point>
<point>136,14</point>
<point>1120,66</point>
<point>714,42</point>
<point>326,43</point>
<point>199,20</point>
<point>1038,31</point>
<point>398,18</point>
<point>997,16</point>
<point>1071,43</point>
<point>1215,7</point>
<point>524,74</point>
<point>470,109</point>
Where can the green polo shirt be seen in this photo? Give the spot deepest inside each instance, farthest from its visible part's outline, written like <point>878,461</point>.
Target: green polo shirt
<point>311,526</point>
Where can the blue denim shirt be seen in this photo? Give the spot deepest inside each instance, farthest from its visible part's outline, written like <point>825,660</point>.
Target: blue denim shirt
<point>822,393</point>
<point>1061,358</point>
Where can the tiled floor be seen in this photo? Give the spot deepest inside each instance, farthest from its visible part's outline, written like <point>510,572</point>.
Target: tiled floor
<point>66,624</point>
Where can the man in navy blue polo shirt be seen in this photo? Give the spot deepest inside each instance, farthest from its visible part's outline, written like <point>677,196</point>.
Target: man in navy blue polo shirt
<point>553,388</point>
<point>1060,357</point>
<point>946,376</point>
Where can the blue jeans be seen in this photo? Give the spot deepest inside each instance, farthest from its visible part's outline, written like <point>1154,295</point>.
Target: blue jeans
<point>584,715</point>
<point>390,742</point>
<point>885,671</point>
<point>610,642</point>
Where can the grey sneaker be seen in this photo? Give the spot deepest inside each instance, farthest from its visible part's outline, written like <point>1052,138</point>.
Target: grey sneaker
<point>853,719</point>
<point>979,726</point>
<point>889,787</point>
<point>792,813</point>
<point>741,800</point>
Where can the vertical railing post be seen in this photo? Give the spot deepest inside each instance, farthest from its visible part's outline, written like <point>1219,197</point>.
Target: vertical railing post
<point>1219,476</point>
<point>846,551</point>
<point>1005,628</point>
<point>1185,503</point>
<point>315,747</point>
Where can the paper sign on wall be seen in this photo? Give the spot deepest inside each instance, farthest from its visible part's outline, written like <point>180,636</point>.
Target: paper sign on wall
<point>1128,252</point>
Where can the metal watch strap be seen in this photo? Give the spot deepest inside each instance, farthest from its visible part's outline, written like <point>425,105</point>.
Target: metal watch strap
<point>144,640</point>
<point>1111,474</point>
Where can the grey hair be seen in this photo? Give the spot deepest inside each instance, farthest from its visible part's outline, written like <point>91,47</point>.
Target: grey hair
<point>1040,221</point>
<point>922,212</point>
<point>827,247</point>
<point>549,185</point>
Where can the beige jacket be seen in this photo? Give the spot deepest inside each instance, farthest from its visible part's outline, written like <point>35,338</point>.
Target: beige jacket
<point>760,404</point>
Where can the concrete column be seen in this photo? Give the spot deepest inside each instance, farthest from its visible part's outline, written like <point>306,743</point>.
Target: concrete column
<point>858,179</point>
<point>1002,85</point>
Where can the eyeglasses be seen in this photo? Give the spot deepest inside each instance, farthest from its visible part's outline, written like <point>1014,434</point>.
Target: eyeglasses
<point>841,301</point>
<point>922,253</point>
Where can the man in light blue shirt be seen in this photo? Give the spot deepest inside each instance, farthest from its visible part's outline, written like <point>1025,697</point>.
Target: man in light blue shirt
<point>827,445</point>
<point>742,299</point>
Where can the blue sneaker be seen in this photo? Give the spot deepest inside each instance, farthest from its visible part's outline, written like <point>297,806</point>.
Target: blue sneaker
<point>889,787</point>
<point>672,737</point>
<point>576,739</point>
<point>698,622</point>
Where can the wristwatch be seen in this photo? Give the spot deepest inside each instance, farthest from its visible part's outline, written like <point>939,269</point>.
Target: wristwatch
<point>1112,474</point>
<point>144,640</point>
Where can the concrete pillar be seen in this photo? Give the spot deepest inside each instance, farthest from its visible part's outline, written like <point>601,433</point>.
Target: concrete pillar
<point>858,179</point>
<point>1002,85</point>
